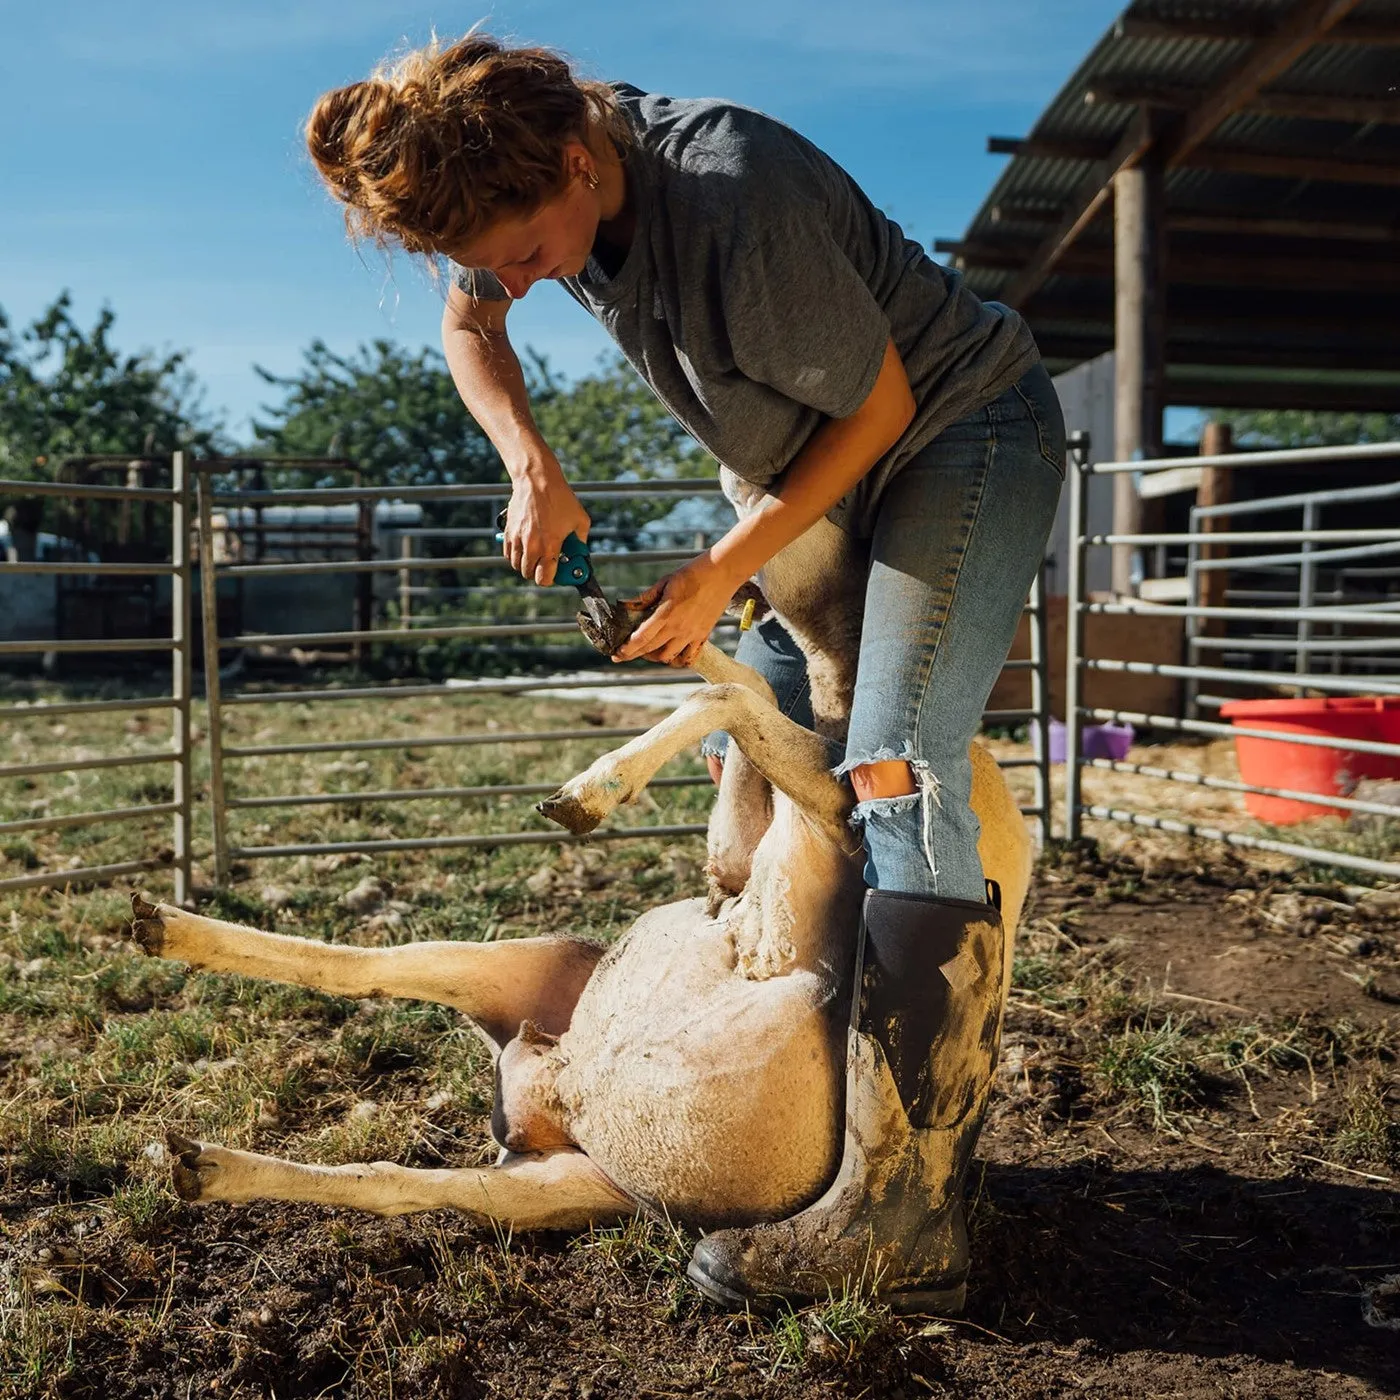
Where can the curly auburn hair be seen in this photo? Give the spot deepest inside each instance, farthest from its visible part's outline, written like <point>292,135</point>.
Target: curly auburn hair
<point>432,149</point>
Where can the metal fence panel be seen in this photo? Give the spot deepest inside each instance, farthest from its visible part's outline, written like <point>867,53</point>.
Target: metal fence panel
<point>1296,640</point>
<point>179,753</point>
<point>192,499</point>
<point>221,804</point>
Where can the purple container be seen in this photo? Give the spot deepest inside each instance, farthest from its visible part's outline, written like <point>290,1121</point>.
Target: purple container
<point>1096,740</point>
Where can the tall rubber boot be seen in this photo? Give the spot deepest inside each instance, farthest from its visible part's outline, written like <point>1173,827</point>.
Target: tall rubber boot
<point>922,1046</point>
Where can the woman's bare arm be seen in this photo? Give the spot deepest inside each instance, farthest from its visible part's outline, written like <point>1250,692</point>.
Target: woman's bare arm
<point>834,458</point>
<point>487,373</point>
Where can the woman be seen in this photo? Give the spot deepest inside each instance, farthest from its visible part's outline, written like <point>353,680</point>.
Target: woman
<point>795,332</point>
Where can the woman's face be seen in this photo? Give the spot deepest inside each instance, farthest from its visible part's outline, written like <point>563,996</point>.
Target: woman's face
<point>554,241</point>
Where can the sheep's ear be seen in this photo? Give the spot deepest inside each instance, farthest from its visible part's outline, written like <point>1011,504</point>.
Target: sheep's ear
<point>531,1034</point>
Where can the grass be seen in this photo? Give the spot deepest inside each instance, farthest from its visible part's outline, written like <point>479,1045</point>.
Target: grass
<point>658,1248</point>
<point>1369,1132</point>
<point>831,1334</point>
<point>41,739</point>
<point>1379,840</point>
<point>1152,1066</point>
<point>104,1050</point>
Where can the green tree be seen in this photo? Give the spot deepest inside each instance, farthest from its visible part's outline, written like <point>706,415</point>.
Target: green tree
<point>608,426</point>
<point>1292,427</point>
<point>67,392</point>
<point>396,414</point>
<point>391,411</point>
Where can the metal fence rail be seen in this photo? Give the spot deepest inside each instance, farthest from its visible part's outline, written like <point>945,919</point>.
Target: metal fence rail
<point>192,499</point>
<point>177,646</point>
<point>1297,574</point>
<point>226,850</point>
<point>1208,551</point>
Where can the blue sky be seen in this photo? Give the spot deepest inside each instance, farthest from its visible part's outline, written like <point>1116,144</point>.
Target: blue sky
<point>152,158</point>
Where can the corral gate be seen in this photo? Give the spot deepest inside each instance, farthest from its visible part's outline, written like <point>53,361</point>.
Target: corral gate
<point>404,566</point>
<point>1362,635</point>
<point>176,646</point>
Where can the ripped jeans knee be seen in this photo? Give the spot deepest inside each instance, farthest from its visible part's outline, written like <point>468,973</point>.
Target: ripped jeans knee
<point>922,842</point>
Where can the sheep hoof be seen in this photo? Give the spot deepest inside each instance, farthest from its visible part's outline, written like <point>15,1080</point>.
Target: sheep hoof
<point>607,626</point>
<point>192,1167</point>
<point>715,896</point>
<point>565,809</point>
<point>147,926</point>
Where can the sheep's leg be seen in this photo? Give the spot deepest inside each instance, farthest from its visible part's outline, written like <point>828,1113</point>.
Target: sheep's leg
<point>496,985</point>
<point>742,813</point>
<point>557,1190</point>
<point>792,758</point>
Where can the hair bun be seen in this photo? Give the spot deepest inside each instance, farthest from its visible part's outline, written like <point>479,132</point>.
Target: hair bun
<point>432,149</point>
<point>342,124</point>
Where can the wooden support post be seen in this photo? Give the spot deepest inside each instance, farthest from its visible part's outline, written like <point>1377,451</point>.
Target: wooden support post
<point>1139,246</point>
<point>1216,489</point>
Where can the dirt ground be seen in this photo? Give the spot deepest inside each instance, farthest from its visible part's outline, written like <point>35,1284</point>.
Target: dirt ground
<point>1186,1186</point>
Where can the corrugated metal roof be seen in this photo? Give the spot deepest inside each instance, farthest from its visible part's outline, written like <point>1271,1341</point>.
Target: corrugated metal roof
<point>1072,311</point>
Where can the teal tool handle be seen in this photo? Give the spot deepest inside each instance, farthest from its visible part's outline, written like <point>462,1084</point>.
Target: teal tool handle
<point>575,566</point>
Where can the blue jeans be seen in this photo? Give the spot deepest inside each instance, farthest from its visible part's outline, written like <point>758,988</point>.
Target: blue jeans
<point>960,534</point>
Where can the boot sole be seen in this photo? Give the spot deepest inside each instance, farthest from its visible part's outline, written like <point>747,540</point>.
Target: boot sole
<point>931,1302</point>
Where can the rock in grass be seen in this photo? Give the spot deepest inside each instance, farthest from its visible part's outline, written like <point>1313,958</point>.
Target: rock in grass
<point>1386,792</point>
<point>1380,904</point>
<point>366,897</point>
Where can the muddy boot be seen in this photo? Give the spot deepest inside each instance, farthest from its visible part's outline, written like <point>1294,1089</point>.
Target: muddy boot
<point>921,1050</point>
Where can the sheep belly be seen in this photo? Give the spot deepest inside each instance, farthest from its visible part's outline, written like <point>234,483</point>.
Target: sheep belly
<point>696,1090</point>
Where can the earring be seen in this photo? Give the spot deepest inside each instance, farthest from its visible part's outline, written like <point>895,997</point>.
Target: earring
<point>590,178</point>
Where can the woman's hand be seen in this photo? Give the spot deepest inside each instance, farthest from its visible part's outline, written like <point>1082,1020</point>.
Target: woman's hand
<point>692,600</point>
<point>543,512</point>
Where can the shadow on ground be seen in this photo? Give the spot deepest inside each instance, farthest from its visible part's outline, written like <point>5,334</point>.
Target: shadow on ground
<point>1192,1261</point>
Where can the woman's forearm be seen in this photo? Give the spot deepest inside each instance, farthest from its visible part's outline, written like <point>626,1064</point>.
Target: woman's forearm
<point>836,456</point>
<point>487,373</point>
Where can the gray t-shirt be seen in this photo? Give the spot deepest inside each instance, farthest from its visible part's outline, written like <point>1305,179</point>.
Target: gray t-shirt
<point>762,287</point>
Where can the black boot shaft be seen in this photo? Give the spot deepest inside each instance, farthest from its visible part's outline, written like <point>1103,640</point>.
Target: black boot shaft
<point>931,994</point>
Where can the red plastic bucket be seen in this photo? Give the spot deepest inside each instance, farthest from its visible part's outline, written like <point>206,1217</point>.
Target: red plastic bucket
<point>1330,772</point>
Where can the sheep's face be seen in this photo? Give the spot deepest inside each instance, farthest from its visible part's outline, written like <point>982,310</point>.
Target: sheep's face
<point>527,1115</point>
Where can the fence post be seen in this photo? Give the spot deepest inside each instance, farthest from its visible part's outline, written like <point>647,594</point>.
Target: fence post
<point>364,582</point>
<point>209,610</point>
<point>1074,625</point>
<point>1307,590</point>
<point>1040,699</point>
<point>1217,488</point>
<point>1207,588</point>
<point>406,543</point>
<point>1191,630</point>
<point>181,670</point>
